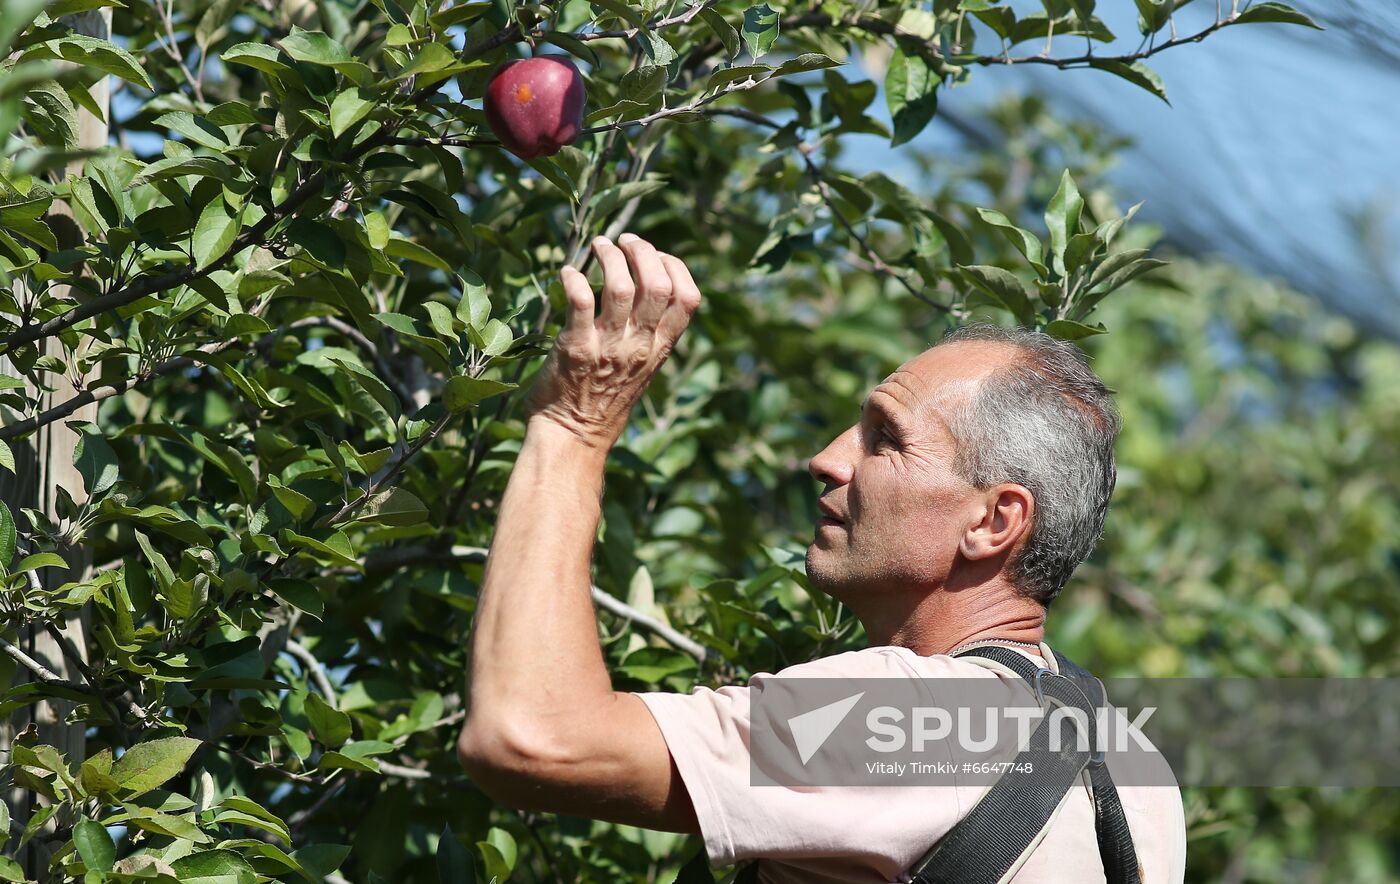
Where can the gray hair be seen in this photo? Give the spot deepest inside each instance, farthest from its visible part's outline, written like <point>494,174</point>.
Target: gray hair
<point>1048,423</point>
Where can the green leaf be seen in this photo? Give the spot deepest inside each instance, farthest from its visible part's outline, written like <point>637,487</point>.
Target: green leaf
<point>320,241</point>
<point>300,594</point>
<point>195,129</point>
<point>1117,279</point>
<point>760,29</point>
<point>432,57</point>
<point>497,869</point>
<point>440,318</point>
<point>959,248</point>
<point>7,537</point>
<point>1026,243</point>
<point>505,846</point>
<point>94,845</point>
<point>314,47</point>
<point>299,505</point>
<point>461,393</point>
<point>1062,217</point>
<point>496,338</point>
<point>1153,15</point>
<point>94,458</point>
<point>319,860</point>
<point>1079,251</point>
<point>614,197</point>
<point>167,824</point>
<point>474,308</point>
<point>410,250</point>
<point>657,51</point>
<point>148,765</point>
<point>1084,9</point>
<point>332,726</point>
<point>1137,73</point>
<point>249,810</point>
<point>95,774</point>
<point>396,506</point>
<point>214,867</point>
<point>95,53</point>
<point>355,756</point>
<point>641,84</point>
<point>1113,263</point>
<point>1106,231</point>
<point>1004,287</point>
<point>256,55</point>
<point>623,10</point>
<point>377,229</point>
<point>1067,330</point>
<point>807,61</point>
<point>911,93</point>
<point>1276,12</point>
<point>213,233</point>
<point>454,861</point>
<point>349,108</point>
<point>722,29</point>
<point>724,76</point>
<point>40,560</point>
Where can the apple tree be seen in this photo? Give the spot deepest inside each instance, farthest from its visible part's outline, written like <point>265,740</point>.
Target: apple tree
<point>263,344</point>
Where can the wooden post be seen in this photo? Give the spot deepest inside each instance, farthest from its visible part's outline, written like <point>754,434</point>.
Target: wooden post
<point>43,464</point>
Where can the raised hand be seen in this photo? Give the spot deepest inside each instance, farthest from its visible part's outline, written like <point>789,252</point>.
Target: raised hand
<point>600,366</point>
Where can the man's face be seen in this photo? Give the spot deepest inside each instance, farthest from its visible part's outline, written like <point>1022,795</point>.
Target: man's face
<point>890,480</point>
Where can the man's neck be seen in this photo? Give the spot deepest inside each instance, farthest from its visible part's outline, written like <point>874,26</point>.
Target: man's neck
<point>943,620</point>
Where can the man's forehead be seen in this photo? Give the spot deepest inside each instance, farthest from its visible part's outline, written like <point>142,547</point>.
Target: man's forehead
<point>940,374</point>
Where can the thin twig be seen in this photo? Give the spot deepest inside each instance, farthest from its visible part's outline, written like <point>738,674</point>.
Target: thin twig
<point>313,668</point>
<point>344,328</point>
<point>406,773</point>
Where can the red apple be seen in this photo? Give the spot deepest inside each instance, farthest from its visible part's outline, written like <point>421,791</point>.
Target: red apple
<point>535,105</point>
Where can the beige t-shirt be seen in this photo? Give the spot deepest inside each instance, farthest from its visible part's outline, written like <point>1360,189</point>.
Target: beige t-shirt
<point>850,834</point>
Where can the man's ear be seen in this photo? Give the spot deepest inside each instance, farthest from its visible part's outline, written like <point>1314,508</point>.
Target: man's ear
<point>1005,518</point>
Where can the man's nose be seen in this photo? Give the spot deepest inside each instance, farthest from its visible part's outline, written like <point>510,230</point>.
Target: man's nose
<point>832,465</point>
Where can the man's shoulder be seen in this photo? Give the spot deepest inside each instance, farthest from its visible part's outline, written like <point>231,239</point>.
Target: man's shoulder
<point>882,661</point>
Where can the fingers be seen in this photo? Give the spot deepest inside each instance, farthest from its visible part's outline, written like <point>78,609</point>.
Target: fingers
<point>579,295</point>
<point>685,298</point>
<point>653,283</point>
<point>618,287</point>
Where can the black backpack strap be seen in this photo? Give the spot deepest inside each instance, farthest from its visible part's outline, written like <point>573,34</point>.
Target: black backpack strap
<point>989,840</point>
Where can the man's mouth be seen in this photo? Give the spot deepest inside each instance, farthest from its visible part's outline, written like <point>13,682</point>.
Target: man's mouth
<point>827,520</point>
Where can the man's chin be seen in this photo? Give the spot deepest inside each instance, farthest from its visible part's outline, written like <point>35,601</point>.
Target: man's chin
<point>819,576</point>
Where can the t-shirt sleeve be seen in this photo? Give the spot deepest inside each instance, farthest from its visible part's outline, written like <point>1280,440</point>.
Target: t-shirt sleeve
<point>708,734</point>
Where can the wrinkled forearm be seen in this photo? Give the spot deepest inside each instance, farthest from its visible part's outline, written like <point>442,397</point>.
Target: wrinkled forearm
<point>535,655</point>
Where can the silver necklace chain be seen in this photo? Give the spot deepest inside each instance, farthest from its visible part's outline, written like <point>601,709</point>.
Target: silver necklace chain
<point>983,642</point>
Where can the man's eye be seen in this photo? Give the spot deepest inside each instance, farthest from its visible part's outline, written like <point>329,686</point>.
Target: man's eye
<point>883,438</point>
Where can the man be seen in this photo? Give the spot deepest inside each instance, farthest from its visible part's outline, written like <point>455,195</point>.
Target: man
<point>975,481</point>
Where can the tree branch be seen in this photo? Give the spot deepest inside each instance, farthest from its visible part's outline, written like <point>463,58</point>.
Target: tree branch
<point>179,363</point>
<point>397,558</point>
<point>314,669</point>
<point>929,48</point>
<point>44,674</point>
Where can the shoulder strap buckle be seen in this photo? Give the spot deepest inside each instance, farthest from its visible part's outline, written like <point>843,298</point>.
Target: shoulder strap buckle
<point>1087,708</point>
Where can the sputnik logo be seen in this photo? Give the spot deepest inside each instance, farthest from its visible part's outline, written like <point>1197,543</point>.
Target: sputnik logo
<point>811,729</point>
